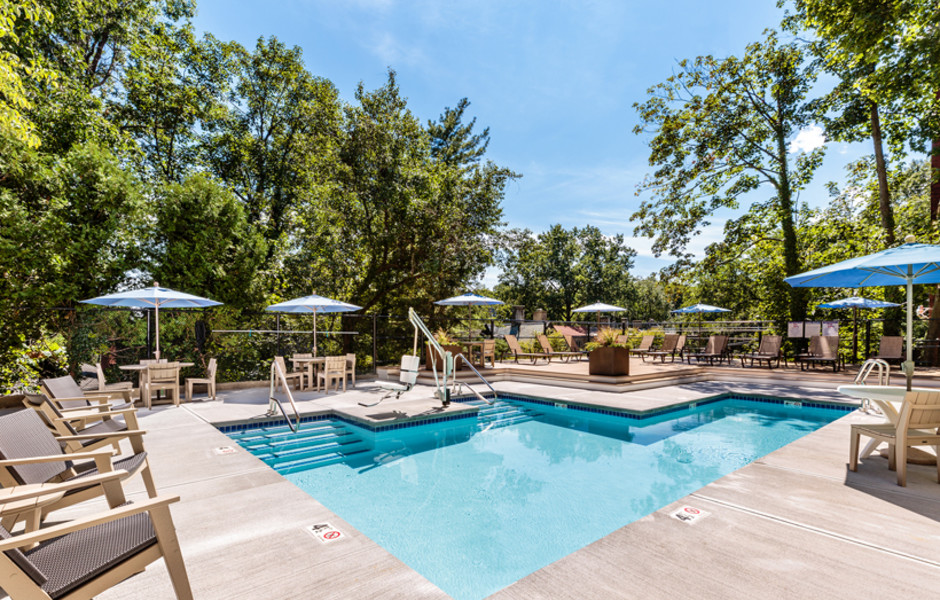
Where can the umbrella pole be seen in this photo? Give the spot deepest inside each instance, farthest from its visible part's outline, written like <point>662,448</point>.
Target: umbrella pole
<point>855,335</point>
<point>156,312</point>
<point>314,334</point>
<point>909,365</point>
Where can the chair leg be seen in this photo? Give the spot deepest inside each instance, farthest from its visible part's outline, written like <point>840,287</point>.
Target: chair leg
<point>853,450</point>
<point>172,556</point>
<point>189,391</point>
<point>900,461</point>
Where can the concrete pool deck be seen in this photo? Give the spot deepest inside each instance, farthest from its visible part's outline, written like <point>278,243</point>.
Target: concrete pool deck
<point>795,523</point>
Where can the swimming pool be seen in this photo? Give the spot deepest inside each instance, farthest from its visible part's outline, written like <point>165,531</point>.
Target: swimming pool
<point>474,504</point>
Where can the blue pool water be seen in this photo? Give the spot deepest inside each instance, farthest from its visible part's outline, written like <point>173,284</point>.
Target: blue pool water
<point>476,504</point>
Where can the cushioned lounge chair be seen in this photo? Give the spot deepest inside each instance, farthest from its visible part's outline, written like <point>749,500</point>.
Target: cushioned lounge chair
<point>77,560</point>
<point>29,453</point>
<point>715,349</point>
<point>551,352</point>
<point>516,350</point>
<point>918,425</point>
<point>407,376</point>
<point>769,350</point>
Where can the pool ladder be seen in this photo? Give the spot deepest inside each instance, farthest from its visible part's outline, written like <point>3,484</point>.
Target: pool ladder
<point>884,376</point>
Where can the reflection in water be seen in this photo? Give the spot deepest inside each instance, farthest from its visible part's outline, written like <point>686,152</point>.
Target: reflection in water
<point>474,511</point>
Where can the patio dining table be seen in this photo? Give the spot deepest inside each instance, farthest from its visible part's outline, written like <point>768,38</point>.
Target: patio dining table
<point>468,351</point>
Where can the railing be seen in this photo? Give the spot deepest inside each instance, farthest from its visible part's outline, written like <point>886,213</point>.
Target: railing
<point>480,376</point>
<point>884,377</point>
<point>278,375</point>
<point>447,359</point>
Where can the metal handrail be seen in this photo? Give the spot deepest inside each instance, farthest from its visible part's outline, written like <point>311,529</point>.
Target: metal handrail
<point>478,374</point>
<point>884,371</point>
<point>447,358</point>
<point>272,400</point>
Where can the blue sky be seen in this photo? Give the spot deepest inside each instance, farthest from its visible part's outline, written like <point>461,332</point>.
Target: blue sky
<point>555,82</point>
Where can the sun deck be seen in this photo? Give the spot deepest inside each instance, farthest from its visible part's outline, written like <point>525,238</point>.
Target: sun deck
<point>793,524</point>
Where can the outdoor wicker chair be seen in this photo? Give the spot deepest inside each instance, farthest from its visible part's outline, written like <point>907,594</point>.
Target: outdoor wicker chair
<point>78,560</point>
<point>84,422</point>
<point>68,394</point>
<point>31,454</point>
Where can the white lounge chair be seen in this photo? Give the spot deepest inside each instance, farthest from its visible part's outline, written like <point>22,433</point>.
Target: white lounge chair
<point>407,379</point>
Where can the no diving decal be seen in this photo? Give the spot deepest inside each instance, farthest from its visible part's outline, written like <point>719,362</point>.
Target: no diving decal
<point>326,533</point>
<point>689,514</point>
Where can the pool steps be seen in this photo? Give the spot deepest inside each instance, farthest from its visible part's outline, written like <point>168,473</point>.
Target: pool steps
<point>328,442</point>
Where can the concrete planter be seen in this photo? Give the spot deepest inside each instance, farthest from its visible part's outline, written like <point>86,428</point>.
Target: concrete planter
<point>609,361</point>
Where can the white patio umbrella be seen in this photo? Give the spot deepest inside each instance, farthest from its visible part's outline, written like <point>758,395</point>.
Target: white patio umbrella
<point>469,300</point>
<point>906,265</point>
<point>599,307</point>
<point>155,297</point>
<point>313,304</point>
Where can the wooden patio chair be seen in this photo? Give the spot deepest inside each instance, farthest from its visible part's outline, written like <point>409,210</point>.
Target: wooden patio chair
<point>306,370</point>
<point>78,560</point>
<point>918,425</point>
<point>481,353</point>
<point>73,422</point>
<point>890,348</point>
<point>551,352</point>
<point>645,344</point>
<point>208,381</point>
<point>124,389</point>
<point>333,369</point>
<point>715,349</point>
<point>351,367</point>
<point>162,376</point>
<point>517,351</point>
<point>297,376</point>
<point>769,350</point>
<point>31,454</point>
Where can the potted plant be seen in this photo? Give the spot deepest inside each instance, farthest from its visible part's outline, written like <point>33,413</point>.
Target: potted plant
<point>607,355</point>
<point>449,344</point>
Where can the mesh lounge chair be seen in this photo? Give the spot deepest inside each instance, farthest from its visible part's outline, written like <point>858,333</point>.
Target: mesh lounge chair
<point>645,344</point>
<point>823,349</point>
<point>29,453</point>
<point>769,350</point>
<point>573,345</point>
<point>516,350</point>
<point>918,425</point>
<point>891,348</point>
<point>407,377</point>
<point>68,394</point>
<point>551,352</point>
<point>673,345</point>
<point>715,349</point>
<point>78,560</point>
<point>208,381</point>
<point>85,422</point>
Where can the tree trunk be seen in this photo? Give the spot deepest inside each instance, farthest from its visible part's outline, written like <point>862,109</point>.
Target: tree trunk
<point>892,323</point>
<point>935,181</point>
<point>791,254</point>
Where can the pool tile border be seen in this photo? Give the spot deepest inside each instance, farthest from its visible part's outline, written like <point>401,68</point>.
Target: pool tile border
<point>622,413</point>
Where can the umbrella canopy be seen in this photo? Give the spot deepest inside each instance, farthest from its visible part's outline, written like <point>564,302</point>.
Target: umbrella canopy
<point>155,297</point>
<point>599,307</point>
<point>313,304</point>
<point>907,264</point>
<point>700,308</point>
<point>855,303</point>
<point>469,300</point>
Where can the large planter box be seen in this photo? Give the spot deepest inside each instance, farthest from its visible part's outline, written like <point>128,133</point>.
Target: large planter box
<point>609,361</point>
<point>432,355</point>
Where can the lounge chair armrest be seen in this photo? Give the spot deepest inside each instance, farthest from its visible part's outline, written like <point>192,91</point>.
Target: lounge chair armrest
<point>96,415</point>
<point>12,462</point>
<point>98,436</point>
<point>80,483</point>
<point>91,410</point>
<point>46,533</point>
<point>95,396</point>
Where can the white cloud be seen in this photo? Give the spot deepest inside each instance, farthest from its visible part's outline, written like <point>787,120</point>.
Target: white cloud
<point>808,139</point>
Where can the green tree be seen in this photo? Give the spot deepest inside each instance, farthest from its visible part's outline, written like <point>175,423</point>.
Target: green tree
<point>721,131</point>
<point>203,242</point>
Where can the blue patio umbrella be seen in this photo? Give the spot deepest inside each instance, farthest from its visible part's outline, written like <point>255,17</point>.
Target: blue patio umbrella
<point>469,300</point>
<point>312,304</point>
<point>699,309</point>
<point>855,303</point>
<point>155,297</point>
<point>908,264</point>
